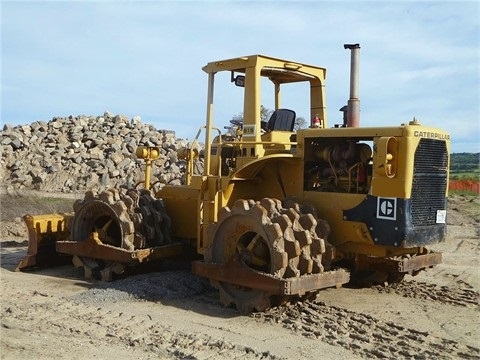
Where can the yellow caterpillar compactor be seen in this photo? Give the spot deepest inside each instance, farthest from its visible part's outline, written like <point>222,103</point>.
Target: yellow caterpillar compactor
<point>277,214</point>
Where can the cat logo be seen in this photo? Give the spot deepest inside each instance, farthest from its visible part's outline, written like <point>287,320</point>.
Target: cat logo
<point>387,208</point>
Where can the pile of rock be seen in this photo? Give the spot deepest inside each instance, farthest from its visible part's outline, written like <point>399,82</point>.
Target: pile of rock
<point>76,153</point>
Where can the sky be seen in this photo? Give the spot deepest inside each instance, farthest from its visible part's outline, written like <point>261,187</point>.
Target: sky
<point>144,58</point>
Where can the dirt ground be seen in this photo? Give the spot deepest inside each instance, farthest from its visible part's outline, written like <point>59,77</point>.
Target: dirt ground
<point>170,314</point>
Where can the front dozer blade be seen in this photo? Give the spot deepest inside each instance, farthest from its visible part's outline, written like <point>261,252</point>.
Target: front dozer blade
<point>43,233</point>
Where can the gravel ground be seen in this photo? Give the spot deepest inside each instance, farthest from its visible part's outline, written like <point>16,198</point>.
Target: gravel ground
<point>171,314</point>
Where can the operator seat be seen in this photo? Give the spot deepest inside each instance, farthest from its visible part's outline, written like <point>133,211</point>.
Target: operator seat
<point>282,120</point>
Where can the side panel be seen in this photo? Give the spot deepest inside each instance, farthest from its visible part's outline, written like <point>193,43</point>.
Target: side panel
<point>330,207</point>
<point>275,177</point>
<point>390,222</point>
<point>182,205</point>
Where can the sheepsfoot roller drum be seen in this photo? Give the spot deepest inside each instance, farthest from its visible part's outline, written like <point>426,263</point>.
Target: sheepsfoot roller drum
<point>114,231</point>
<point>107,234</point>
<point>264,255</point>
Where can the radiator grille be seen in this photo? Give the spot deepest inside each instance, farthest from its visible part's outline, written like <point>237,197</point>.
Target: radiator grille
<point>429,181</point>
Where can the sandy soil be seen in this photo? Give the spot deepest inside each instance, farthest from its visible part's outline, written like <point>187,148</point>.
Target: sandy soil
<point>170,314</point>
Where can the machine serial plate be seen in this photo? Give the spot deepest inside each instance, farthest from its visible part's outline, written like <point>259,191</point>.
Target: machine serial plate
<point>441,216</point>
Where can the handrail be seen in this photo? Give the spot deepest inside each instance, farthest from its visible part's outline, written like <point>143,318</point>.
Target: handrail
<point>191,153</point>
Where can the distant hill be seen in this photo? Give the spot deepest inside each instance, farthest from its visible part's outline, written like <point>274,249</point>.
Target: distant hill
<point>465,166</point>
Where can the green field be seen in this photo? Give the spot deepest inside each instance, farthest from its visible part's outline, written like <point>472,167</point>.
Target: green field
<point>465,166</point>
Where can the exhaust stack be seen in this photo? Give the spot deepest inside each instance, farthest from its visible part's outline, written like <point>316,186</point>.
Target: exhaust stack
<point>353,106</point>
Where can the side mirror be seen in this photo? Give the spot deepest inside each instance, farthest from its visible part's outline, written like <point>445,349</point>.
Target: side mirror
<point>239,80</point>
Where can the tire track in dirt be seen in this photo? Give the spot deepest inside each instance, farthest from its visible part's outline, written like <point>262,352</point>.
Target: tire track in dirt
<point>364,334</point>
<point>441,294</point>
<point>88,315</point>
<point>101,326</point>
